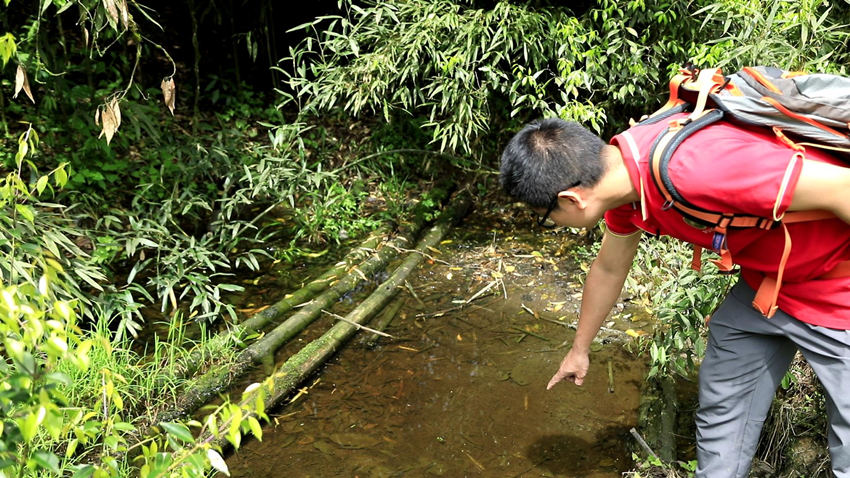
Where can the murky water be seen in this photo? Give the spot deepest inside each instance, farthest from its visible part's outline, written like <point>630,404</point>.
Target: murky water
<point>460,388</point>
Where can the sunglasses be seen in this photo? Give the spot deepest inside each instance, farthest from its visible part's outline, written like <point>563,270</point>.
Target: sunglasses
<point>541,221</point>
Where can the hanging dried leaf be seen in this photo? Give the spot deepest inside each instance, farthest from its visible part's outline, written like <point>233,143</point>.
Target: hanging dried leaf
<point>110,124</point>
<point>112,11</point>
<point>125,13</point>
<point>86,36</point>
<point>116,111</point>
<point>97,117</point>
<point>169,93</point>
<point>22,83</point>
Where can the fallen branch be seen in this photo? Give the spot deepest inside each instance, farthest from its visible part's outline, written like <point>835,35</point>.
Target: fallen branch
<point>643,443</point>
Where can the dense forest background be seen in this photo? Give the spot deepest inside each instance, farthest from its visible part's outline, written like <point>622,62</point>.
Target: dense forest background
<point>151,151</point>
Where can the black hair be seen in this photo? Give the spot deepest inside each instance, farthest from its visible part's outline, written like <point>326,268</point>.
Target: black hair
<point>547,157</point>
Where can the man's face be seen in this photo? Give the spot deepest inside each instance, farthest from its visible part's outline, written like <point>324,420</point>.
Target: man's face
<point>566,214</point>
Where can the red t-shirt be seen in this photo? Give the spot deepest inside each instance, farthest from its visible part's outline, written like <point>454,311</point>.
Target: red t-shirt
<point>726,168</point>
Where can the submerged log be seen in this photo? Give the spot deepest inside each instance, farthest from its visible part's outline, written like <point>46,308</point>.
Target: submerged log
<point>307,360</point>
<point>221,378</point>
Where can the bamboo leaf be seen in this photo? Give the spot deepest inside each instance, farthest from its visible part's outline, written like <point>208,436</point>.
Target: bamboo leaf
<point>110,123</point>
<point>112,12</point>
<point>177,430</point>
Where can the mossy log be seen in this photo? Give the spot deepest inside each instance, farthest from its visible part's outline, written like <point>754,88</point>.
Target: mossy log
<point>255,323</point>
<point>308,359</point>
<point>382,322</point>
<point>311,289</point>
<point>220,378</point>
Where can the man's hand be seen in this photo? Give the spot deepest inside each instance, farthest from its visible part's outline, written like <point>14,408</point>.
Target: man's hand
<point>573,368</point>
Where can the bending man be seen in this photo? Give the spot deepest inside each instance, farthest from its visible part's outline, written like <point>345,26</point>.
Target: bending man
<point>569,176</point>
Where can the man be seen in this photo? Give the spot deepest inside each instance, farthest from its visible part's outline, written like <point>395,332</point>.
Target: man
<point>568,175</point>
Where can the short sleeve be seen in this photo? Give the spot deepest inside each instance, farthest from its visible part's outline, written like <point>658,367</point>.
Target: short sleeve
<point>619,222</point>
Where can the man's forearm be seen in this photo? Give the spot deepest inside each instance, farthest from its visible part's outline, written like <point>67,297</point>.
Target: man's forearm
<point>601,290</point>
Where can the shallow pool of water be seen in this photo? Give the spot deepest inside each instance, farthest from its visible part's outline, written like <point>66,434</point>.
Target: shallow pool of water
<point>459,390</point>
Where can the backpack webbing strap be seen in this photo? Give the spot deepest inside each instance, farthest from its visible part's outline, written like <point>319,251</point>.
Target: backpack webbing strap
<point>633,150</point>
<point>768,291</point>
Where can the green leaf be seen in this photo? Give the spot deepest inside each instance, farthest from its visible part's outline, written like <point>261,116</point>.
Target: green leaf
<point>84,471</point>
<point>256,429</point>
<point>178,430</point>
<point>41,184</point>
<point>25,211</point>
<point>46,460</point>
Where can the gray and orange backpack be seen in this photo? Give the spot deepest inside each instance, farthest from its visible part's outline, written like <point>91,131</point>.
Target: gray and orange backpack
<point>803,110</point>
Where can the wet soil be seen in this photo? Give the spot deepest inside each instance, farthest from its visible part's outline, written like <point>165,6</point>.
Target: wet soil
<point>459,388</point>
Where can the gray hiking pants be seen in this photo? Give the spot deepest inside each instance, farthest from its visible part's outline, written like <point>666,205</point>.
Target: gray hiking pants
<point>746,358</point>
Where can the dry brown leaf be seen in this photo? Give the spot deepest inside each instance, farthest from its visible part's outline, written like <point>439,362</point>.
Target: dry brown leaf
<point>112,11</point>
<point>97,116</point>
<point>116,112</point>
<point>125,13</point>
<point>107,116</point>
<point>169,93</point>
<point>22,83</point>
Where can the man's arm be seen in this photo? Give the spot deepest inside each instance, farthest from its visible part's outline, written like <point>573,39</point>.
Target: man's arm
<point>823,186</point>
<point>601,290</point>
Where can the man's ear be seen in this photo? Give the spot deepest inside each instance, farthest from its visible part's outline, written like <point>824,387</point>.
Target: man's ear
<point>575,196</point>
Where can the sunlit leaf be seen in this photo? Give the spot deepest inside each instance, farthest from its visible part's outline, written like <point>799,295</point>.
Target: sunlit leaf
<point>217,461</point>
<point>177,430</point>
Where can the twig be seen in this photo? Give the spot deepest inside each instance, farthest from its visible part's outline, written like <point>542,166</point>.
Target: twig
<point>413,293</point>
<point>610,376</point>
<point>368,329</point>
<point>530,333</point>
<point>643,443</point>
<point>423,254</point>
<point>483,290</point>
<point>474,461</point>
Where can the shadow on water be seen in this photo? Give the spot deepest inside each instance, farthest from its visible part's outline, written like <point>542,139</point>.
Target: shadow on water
<point>460,388</point>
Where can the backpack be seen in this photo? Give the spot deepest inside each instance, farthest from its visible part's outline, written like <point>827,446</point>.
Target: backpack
<point>801,109</point>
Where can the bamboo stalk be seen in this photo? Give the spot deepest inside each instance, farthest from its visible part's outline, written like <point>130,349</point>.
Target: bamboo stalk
<point>268,315</point>
<point>223,377</point>
<point>305,362</point>
<point>381,323</point>
<point>284,305</point>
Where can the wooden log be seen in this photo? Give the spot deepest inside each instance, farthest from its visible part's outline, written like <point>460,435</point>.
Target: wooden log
<point>307,360</point>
